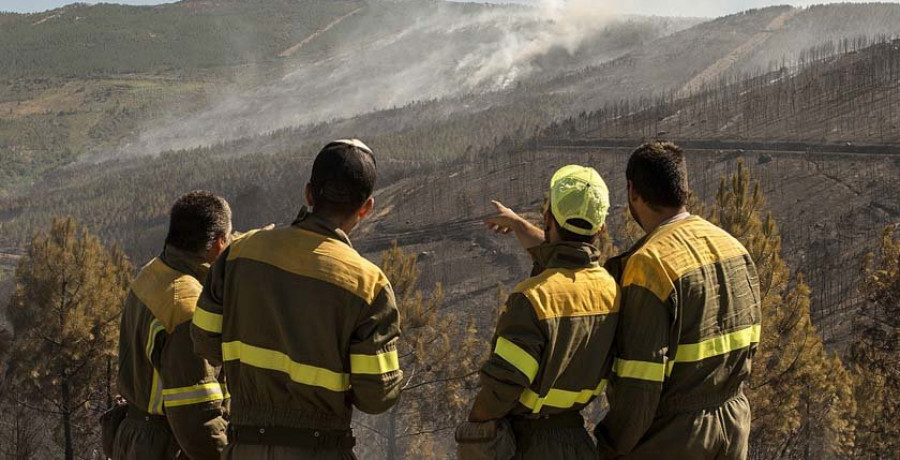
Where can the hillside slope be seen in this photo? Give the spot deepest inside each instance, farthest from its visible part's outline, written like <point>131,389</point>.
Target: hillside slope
<point>99,39</point>
<point>555,85</point>
<point>127,199</point>
<point>849,98</point>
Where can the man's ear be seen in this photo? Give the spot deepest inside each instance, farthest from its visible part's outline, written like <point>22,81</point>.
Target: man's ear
<point>309,196</point>
<point>548,219</point>
<point>217,248</point>
<point>222,242</point>
<point>366,208</point>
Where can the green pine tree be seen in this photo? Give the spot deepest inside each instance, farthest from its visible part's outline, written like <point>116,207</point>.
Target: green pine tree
<point>65,309</point>
<point>876,352</point>
<point>440,354</point>
<point>801,395</point>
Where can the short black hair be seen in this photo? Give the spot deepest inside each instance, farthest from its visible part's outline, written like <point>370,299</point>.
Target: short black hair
<point>658,173</point>
<point>343,177</point>
<point>197,220</point>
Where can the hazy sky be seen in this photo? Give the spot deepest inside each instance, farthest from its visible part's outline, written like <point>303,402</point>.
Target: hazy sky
<point>657,7</point>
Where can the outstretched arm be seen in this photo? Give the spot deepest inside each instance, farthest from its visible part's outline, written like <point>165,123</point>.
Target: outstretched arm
<point>506,220</point>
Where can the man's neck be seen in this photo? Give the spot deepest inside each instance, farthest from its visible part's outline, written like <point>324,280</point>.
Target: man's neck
<point>658,218</point>
<point>345,226</point>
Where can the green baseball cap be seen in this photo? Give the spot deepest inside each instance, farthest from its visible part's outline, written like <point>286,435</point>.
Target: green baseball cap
<point>578,193</point>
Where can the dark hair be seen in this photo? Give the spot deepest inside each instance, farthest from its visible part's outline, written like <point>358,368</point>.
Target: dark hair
<point>658,173</point>
<point>343,177</point>
<point>196,220</point>
<point>572,237</point>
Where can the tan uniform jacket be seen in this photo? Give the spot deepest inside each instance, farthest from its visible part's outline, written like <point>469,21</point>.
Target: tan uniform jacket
<point>305,326</point>
<point>552,348</point>
<point>159,373</point>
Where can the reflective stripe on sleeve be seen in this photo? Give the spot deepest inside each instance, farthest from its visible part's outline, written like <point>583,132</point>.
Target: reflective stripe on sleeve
<point>155,327</point>
<point>716,346</point>
<point>562,399</point>
<point>381,363</point>
<point>155,406</point>
<point>640,370</point>
<point>156,395</point>
<point>277,361</point>
<point>519,358</point>
<point>209,322</point>
<point>196,394</point>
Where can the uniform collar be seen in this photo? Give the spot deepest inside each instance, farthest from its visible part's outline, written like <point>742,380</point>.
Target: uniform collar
<point>565,255</point>
<point>307,220</point>
<point>675,218</point>
<point>616,265</point>
<point>185,262</point>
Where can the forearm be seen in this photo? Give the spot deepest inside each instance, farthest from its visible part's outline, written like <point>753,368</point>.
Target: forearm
<point>207,345</point>
<point>200,429</point>
<point>528,234</point>
<point>494,400</point>
<point>633,407</point>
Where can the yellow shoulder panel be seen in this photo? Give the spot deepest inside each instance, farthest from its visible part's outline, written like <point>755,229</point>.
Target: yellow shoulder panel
<point>677,250</point>
<point>169,294</point>
<point>567,293</point>
<point>312,255</point>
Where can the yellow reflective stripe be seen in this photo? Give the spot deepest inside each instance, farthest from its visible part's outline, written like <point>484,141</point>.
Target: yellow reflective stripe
<point>278,361</point>
<point>562,399</point>
<point>156,395</point>
<point>382,363</point>
<point>519,358</point>
<point>155,327</point>
<point>156,390</point>
<point>209,322</point>
<point>716,346</point>
<point>196,394</point>
<point>641,370</point>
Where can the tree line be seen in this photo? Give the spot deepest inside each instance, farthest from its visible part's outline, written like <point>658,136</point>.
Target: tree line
<point>808,402</point>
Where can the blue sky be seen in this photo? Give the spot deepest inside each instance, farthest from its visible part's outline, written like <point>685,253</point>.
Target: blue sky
<point>657,7</point>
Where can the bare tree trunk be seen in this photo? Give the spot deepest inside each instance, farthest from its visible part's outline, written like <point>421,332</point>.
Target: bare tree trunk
<point>67,420</point>
<point>109,398</point>
<point>392,453</point>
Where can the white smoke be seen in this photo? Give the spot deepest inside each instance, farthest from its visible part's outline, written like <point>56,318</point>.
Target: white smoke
<point>442,51</point>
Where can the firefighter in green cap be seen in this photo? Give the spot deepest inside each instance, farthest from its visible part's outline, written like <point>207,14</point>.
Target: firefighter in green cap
<point>551,350</point>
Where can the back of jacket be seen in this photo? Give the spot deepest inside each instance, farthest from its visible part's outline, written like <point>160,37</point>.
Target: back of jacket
<point>305,326</point>
<point>158,372</point>
<point>689,326</point>
<point>552,348</point>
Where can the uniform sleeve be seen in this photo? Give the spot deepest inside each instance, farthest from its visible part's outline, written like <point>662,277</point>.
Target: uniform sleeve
<point>206,327</point>
<point>646,330</point>
<point>512,367</point>
<point>192,397</point>
<point>375,373</point>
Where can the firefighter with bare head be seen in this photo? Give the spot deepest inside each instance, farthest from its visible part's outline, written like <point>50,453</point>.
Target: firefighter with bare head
<point>175,401</point>
<point>305,327</point>
<point>689,325</point>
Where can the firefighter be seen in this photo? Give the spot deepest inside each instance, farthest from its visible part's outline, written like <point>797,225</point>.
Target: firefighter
<point>689,326</point>
<point>175,401</point>
<point>552,346</point>
<point>305,326</point>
